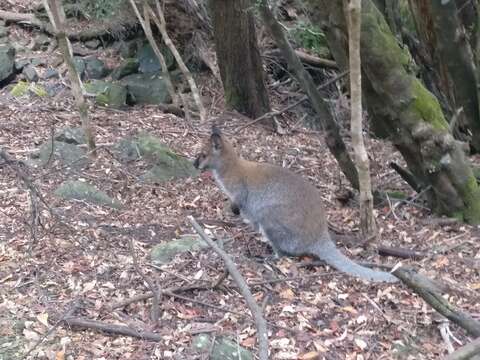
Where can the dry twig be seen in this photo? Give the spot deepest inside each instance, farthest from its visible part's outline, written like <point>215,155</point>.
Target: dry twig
<point>466,352</point>
<point>256,311</point>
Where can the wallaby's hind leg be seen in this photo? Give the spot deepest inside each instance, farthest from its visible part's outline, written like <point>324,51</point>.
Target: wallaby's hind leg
<point>282,240</point>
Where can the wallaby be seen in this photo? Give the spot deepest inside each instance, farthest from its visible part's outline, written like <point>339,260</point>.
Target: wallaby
<point>286,209</point>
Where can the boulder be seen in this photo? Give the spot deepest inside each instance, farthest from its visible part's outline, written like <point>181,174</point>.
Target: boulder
<point>7,61</point>
<point>164,253</point>
<point>20,64</point>
<point>79,190</point>
<point>146,89</point>
<point>41,42</point>
<point>108,93</point>
<point>79,65</point>
<point>3,31</point>
<point>30,73</point>
<point>95,68</point>
<point>71,135</point>
<point>127,67</point>
<point>51,73</point>
<point>93,44</point>
<point>67,154</point>
<point>149,62</point>
<point>223,348</point>
<point>166,165</point>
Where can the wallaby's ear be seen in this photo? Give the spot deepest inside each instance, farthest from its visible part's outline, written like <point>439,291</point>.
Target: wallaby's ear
<point>216,138</point>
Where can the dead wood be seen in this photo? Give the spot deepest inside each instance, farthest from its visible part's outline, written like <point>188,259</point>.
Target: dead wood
<point>256,311</point>
<point>426,288</point>
<point>155,314</point>
<point>82,35</point>
<point>306,59</point>
<point>466,352</point>
<point>111,328</point>
<point>400,253</point>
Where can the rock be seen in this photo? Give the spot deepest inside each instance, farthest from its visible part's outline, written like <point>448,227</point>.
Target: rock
<point>93,44</point>
<point>79,65</point>
<point>149,62</point>
<point>71,135</point>
<point>95,68</point>
<point>127,67</point>
<point>67,154</point>
<point>30,73</point>
<point>24,87</point>
<point>128,49</point>
<point>3,31</point>
<point>164,253</point>
<point>20,64</point>
<point>166,165</point>
<point>146,89</point>
<point>79,190</point>
<point>51,73</point>
<point>7,62</point>
<point>108,93</point>
<point>223,348</point>
<point>38,61</point>
<point>41,42</point>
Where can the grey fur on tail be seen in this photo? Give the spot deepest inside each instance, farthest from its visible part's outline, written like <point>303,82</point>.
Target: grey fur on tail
<point>334,257</point>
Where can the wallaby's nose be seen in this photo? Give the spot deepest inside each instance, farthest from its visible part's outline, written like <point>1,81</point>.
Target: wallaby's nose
<point>196,163</point>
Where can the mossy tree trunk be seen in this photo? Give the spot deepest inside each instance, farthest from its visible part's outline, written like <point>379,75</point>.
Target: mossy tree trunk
<point>442,33</point>
<point>401,105</point>
<point>238,56</point>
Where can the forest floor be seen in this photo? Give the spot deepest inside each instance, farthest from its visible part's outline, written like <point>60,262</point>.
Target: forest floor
<point>81,254</point>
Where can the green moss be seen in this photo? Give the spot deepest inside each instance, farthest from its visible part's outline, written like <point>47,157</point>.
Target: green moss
<point>427,107</point>
<point>20,89</point>
<point>381,42</point>
<point>471,196</point>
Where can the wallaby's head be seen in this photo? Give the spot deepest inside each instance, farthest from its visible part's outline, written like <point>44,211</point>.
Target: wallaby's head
<point>216,152</point>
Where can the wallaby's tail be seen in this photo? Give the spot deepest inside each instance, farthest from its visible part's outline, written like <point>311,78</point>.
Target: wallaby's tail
<point>333,257</point>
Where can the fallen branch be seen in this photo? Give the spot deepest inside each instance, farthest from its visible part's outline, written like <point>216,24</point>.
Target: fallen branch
<point>307,59</point>
<point>256,311</point>
<point>155,314</point>
<point>84,34</point>
<point>466,352</point>
<point>400,253</point>
<point>111,328</point>
<point>430,293</point>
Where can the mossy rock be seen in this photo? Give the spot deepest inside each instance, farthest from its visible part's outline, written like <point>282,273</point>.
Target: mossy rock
<point>7,61</point>
<point>146,89</point>
<point>164,253</point>
<point>107,93</point>
<point>72,135</point>
<point>148,61</point>
<point>127,67</point>
<point>65,153</point>
<point>166,165</point>
<point>223,348</point>
<point>79,190</point>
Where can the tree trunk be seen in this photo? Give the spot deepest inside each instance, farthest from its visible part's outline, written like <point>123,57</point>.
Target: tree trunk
<point>238,57</point>
<point>443,34</point>
<point>332,131</point>
<point>406,110</point>
<point>367,220</point>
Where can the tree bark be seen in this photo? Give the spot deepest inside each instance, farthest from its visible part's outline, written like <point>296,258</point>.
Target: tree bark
<point>332,131</point>
<point>57,17</point>
<point>406,111</point>
<point>442,32</point>
<point>367,219</point>
<point>238,57</point>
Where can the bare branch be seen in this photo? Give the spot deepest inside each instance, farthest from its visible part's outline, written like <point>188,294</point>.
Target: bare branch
<point>256,311</point>
<point>466,352</point>
<point>159,20</point>
<point>430,293</point>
